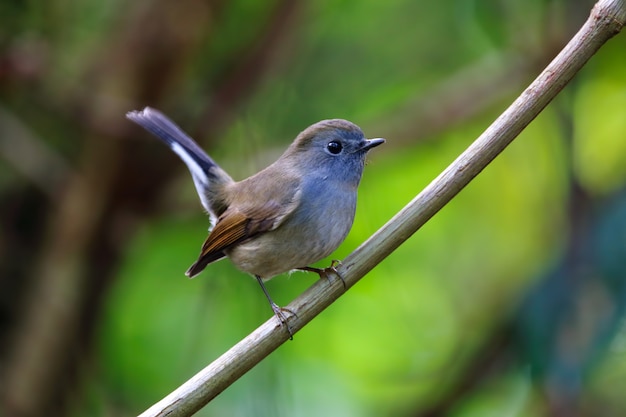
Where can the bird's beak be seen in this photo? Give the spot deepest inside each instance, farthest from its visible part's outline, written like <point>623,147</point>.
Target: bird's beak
<point>372,143</point>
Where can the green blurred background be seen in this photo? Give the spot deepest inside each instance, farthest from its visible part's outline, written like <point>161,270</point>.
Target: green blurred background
<point>509,302</point>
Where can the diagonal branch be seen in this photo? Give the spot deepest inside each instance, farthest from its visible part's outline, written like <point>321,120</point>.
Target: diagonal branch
<point>607,19</point>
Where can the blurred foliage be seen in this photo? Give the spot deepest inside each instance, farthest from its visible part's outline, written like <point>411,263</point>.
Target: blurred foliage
<point>510,301</point>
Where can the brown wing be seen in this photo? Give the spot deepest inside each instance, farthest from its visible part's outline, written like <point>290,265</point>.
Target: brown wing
<point>235,226</point>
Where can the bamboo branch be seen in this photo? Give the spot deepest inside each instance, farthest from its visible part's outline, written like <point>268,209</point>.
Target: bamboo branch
<point>607,19</point>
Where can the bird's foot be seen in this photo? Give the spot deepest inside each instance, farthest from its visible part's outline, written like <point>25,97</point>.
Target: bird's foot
<point>280,314</point>
<point>325,272</point>
<point>278,311</point>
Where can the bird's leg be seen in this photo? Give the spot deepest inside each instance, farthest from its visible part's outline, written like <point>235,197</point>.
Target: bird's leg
<point>278,311</point>
<point>323,273</point>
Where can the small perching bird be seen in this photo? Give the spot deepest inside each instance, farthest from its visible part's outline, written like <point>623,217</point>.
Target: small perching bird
<point>287,216</point>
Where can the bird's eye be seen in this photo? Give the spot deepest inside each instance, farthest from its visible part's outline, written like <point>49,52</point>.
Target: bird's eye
<point>334,147</point>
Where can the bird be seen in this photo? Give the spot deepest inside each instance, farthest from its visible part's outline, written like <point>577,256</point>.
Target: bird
<point>291,214</point>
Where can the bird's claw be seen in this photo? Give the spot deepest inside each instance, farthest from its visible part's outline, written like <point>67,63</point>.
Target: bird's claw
<point>279,312</point>
<point>325,272</point>
<point>332,268</point>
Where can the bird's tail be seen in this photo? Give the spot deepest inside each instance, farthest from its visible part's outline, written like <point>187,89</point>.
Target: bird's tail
<point>207,175</point>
